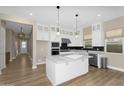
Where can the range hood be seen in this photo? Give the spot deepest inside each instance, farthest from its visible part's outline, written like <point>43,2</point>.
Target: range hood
<point>66,40</point>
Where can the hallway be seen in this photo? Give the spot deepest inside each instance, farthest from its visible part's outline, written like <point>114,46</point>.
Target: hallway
<point>19,72</point>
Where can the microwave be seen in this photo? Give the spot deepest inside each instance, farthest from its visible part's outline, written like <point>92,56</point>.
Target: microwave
<point>55,44</point>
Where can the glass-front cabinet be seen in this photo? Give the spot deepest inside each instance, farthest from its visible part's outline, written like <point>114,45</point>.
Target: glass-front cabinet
<point>87,37</point>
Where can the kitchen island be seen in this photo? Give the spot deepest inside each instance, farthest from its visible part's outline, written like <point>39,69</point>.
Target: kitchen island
<point>61,68</point>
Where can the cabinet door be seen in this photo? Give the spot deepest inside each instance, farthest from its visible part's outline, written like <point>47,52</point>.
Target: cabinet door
<point>43,35</point>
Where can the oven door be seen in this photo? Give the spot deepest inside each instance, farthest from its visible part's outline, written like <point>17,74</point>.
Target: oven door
<point>55,52</point>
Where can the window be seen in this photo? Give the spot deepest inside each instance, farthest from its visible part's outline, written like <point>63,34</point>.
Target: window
<point>87,37</point>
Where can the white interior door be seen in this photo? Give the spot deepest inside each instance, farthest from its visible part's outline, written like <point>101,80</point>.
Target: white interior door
<point>2,47</point>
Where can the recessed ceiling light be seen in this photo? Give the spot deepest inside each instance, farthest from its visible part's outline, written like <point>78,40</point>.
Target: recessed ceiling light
<point>30,14</point>
<point>98,15</point>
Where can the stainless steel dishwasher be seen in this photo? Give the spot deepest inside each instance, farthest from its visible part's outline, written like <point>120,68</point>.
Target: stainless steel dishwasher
<point>93,60</point>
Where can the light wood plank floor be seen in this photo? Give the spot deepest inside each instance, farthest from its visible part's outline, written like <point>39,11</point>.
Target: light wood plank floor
<point>20,73</point>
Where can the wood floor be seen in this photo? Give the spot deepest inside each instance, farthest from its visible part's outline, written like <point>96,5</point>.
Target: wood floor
<point>20,73</point>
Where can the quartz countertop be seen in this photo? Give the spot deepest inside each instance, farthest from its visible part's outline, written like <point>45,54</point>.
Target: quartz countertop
<point>66,58</point>
<point>82,52</point>
<point>96,52</point>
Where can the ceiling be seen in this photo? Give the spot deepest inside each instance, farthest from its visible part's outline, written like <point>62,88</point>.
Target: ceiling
<point>16,27</point>
<point>47,15</point>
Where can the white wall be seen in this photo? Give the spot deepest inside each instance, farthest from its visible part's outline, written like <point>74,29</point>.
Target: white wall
<point>42,51</point>
<point>2,45</point>
<point>12,43</point>
<point>9,42</point>
<point>30,45</point>
<point>116,61</point>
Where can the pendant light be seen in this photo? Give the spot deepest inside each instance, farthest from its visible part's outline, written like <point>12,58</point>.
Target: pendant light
<point>58,25</point>
<point>76,36</point>
<point>21,34</point>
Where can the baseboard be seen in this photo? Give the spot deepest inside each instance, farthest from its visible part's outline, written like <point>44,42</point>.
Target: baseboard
<point>10,60</point>
<point>13,58</point>
<point>30,57</point>
<point>116,68</point>
<point>34,67</point>
<point>39,63</point>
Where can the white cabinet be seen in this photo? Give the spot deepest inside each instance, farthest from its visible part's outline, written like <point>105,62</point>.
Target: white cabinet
<point>76,41</point>
<point>53,34</point>
<point>43,33</point>
<point>60,69</point>
<point>97,35</point>
<point>54,37</point>
<point>49,33</point>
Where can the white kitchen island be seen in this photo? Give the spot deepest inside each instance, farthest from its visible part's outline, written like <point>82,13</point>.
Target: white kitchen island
<point>62,68</point>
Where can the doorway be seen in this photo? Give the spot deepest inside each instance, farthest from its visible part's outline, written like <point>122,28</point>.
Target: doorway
<point>23,47</point>
<point>19,42</point>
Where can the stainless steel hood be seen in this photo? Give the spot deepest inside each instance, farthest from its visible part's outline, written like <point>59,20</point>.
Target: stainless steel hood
<point>66,40</point>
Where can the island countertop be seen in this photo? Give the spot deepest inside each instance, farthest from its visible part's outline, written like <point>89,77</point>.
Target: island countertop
<point>67,58</point>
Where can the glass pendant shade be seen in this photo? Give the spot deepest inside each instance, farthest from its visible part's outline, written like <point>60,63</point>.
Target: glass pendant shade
<point>58,25</point>
<point>58,33</point>
<point>76,35</point>
<point>21,34</point>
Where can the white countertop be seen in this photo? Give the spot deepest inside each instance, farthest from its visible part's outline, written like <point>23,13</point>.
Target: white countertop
<point>66,58</point>
<point>96,52</point>
<point>82,52</point>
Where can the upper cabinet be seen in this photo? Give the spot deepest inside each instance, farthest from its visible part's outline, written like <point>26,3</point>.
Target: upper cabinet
<point>43,32</point>
<point>87,37</point>
<point>49,33</point>
<point>97,35</point>
<point>76,41</point>
<point>53,34</point>
<point>93,35</point>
